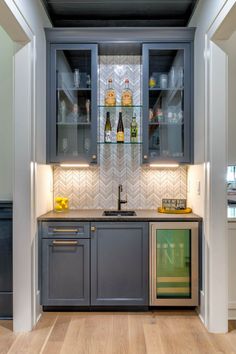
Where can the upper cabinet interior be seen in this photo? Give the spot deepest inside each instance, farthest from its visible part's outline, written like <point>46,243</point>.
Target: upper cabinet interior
<point>73,103</point>
<point>167,93</point>
<point>135,93</point>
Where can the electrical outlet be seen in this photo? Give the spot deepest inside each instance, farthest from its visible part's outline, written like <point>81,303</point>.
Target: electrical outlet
<point>188,186</point>
<point>198,188</point>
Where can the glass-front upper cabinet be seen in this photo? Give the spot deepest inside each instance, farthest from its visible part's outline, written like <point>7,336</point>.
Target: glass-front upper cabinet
<point>167,93</point>
<point>174,264</point>
<point>72,103</point>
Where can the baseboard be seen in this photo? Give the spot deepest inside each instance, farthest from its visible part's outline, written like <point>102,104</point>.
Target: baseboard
<point>38,306</point>
<point>201,308</point>
<point>232,310</point>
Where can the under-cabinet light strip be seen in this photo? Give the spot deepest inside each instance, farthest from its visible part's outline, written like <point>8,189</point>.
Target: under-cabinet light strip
<point>166,165</point>
<point>68,165</point>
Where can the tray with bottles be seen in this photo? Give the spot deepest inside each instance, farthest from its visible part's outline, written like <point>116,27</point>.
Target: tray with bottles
<point>119,118</point>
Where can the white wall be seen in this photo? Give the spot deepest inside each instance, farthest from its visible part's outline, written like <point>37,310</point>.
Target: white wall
<point>6,119</point>
<point>24,20</point>
<point>230,48</point>
<point>202,19</point>
<point>41,174</point>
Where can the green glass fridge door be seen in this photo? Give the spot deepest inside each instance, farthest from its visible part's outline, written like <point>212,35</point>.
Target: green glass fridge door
<point>173,264</point>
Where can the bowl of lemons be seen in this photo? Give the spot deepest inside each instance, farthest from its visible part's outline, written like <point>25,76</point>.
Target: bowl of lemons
<point>61,204</point>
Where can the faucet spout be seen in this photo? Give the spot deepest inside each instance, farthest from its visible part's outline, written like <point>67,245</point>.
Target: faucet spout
<point>120,201</point>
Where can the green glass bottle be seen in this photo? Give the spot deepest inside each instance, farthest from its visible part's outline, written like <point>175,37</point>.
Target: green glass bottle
<point>134,130</point>
<point>107,129</point>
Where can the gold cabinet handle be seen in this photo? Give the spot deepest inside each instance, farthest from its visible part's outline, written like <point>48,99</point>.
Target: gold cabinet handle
<point>145,157</point>
<point>64,243</point>
<point>94,157</point>
<point>65,230</point>
<point>93,228</point>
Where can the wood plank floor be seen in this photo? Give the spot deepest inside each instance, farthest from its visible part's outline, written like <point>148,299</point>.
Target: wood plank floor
<point>157,332</point>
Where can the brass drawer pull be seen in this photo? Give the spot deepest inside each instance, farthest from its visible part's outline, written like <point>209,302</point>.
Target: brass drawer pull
<point>93,228</point>
<point>65,230</point>
<point>65,243</point>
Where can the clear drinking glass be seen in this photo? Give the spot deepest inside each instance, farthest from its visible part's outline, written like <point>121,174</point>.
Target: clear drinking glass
<point>76,78</point>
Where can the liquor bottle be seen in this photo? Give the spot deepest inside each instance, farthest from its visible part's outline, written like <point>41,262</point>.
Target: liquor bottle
<point>127,95</point>
<point>107,129</point>
<point>110,95</point>
<point>120,130</point>
<point>134,130</point>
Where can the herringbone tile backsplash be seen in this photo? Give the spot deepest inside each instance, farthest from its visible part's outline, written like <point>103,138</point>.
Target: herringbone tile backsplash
<point>97,187</point>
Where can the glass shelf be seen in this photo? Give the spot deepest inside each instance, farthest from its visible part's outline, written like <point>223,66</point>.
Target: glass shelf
<point>115,143</point>
<point>119,106</point>
<point>166,89</point>
<point>73,123</point>
<point>165,123</point>
<point>73,89</point>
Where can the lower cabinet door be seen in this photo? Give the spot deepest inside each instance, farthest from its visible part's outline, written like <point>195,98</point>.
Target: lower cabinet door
<point>119,263</point>
<point>65,272</point>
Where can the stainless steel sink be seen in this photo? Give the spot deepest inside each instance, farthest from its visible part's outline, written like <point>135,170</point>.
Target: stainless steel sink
<point>119,213</point>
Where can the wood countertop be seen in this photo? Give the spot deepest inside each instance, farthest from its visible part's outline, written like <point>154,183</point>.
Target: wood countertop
<point>97,214</point>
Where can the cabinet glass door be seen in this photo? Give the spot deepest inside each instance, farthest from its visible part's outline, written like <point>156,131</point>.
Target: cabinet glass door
<point>173,264</point>
<point>167,102</point>
<point>75,79</point>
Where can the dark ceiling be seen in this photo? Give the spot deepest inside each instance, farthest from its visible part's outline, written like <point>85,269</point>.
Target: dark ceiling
<point>112,13</point>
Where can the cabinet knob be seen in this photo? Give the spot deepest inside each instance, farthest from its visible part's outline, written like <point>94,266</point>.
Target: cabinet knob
<point>93,228</point>
<point>145,157</point>
<point>94,157</point>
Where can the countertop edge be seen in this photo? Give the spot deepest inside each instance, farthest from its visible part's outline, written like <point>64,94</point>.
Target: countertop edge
<point>52,216</point>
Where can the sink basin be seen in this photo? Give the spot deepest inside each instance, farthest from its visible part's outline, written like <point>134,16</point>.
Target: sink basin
<point>119,213</point>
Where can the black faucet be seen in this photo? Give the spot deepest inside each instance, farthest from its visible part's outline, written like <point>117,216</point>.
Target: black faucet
<point>120,201</point>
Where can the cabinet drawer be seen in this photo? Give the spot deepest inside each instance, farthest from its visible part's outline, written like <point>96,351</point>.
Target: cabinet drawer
<point>63,229</point>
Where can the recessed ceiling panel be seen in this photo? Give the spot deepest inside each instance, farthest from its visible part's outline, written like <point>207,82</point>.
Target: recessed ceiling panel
<point>80,13</point>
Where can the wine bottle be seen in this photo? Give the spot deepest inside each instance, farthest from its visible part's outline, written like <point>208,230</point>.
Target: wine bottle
<point>107,129</point>
<point>120,130</point>
<point>134,130</point>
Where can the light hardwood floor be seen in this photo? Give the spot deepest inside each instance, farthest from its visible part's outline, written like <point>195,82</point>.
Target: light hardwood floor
<point>158,332</point>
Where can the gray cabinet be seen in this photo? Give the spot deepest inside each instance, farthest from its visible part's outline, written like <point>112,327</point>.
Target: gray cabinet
<point>168,102</point>
<point>64,263</point>
<point>6,291</point>
<point>65,272</point>
<point>119,263</point>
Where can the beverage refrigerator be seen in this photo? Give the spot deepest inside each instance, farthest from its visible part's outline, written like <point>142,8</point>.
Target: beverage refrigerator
<point>174,274</point>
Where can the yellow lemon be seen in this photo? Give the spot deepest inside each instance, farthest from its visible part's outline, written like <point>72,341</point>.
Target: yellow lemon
<point>58,207</point>
<point>58,199</point>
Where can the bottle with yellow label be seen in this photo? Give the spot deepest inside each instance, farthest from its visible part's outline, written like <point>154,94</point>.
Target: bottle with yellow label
<point>127,95</point>
<point>110,95</point>
<point>120,136</point>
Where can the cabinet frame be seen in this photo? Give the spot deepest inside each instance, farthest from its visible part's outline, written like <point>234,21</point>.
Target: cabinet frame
<point>52,156</point>
<point>187,47</point>
<point>194,227</point>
